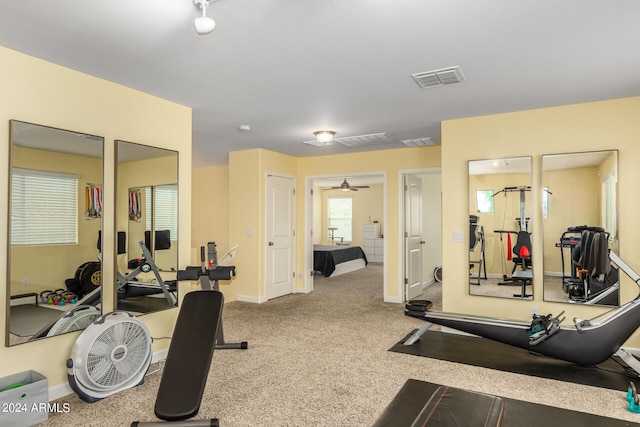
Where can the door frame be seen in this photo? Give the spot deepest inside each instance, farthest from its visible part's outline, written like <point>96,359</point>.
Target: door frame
<point>294,240</point>
<point>402,173</point>
<point>308,223</point>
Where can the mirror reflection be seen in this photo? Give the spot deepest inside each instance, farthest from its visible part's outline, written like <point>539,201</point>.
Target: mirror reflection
<point>500,261</point>
<point>580,227</point>
<point>147,224</point>
<point>55,217</point>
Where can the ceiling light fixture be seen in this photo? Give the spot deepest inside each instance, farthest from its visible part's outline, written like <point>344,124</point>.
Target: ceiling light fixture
<point>204,24</point>
<point>324,136</point>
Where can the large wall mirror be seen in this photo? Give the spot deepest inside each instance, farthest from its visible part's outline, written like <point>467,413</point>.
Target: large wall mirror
<point>580,227</point>
<point>147,228</point>
<point>500,261</point>
<point>55,218</point>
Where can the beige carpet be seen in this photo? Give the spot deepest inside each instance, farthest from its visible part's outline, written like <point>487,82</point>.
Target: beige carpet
<point>321,359</point>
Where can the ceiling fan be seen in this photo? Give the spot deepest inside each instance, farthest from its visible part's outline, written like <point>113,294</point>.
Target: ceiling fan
<point>346,187</point>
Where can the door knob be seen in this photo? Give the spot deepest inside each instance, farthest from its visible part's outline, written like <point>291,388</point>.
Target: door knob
<point>422,242</point>
<point>270,243</point>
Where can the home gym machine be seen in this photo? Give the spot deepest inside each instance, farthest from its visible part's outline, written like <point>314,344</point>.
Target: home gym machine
<point>586,342</point>
<point>476,239</point>
<point>522,249</point>
<point>127,287</point>
<point>209,273</point>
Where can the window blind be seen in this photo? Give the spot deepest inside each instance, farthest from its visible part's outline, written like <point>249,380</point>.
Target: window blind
<point>165,200</point>
<point>44,207</point>
<point>608,208</point>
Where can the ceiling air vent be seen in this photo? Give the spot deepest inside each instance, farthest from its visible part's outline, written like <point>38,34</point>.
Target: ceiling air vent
<point>354,141</point>
<point>317,143</point>
<point>444,76</point>
<point>419,142</point>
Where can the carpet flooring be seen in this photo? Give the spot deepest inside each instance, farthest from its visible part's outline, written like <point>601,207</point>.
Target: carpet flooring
<point>322,359</point>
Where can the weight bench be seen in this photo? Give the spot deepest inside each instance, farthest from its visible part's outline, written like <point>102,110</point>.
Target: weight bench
<point>188,361</point>
<point>525,277</point>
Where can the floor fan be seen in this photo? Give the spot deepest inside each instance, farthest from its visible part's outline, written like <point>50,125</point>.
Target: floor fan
<point>112,354</point>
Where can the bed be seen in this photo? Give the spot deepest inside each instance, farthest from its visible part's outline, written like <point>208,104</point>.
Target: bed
<point>330,261</point>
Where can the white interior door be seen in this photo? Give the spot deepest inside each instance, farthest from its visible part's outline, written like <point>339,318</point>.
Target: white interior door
<point>280,236</point>
<point>413,236</point>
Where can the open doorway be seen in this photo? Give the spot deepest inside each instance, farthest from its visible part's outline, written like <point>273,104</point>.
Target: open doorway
<point>345,217</point>
<point>420,230</point>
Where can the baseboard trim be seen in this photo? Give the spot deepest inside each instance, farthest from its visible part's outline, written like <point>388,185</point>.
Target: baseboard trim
<point>255,300</point>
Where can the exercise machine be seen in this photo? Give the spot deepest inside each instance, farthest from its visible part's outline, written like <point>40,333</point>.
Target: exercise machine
<point>476,239</point>
<point>209,273</point>
<point>126,286</point>
<point>586,342</point>
<point>198,332</point>
<point>592,280</point>
<point>520,254</point>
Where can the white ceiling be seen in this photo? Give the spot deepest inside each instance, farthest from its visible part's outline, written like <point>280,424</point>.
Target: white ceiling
<point>290,67</point>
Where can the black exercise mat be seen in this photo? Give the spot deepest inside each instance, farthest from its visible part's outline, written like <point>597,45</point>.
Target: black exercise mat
<point>487,353</point>
<point>143,304</point>
<point>25,320</point>
<point>414,394</point>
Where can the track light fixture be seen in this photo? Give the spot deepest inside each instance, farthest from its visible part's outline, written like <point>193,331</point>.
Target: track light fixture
<point>324,136</point>
<point>204,24</point>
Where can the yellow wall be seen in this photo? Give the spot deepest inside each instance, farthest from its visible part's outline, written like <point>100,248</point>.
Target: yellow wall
<point>39,92</point>
<point>210,217</point>
<point>593,126</point>
<point>388,161</point>
<point>246,175</point>
<point>247,185</point>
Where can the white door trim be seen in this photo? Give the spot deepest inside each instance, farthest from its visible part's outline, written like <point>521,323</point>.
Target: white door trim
<point>401,223</point>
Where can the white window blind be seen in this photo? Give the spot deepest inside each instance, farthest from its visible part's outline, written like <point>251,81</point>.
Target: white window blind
<point>339,216</point>
<point>608,209</point>
<point>165,209</point>
<point>44,207</point>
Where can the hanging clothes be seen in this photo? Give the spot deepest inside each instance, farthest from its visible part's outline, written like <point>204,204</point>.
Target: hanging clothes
<point>135,206</point>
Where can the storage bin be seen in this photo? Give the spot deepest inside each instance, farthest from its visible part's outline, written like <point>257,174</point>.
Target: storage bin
<point>24,399</point>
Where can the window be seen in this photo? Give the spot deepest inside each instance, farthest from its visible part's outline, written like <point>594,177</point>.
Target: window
<point>44,207</point>
<point>608,209</point>
<point>545,202</point>
<point>339,215</point>
<point>484,201</point>
<point>165,209</point>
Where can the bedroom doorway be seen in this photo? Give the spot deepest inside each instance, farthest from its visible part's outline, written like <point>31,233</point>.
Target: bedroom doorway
<point>366,205</point>
<point>428,210</point>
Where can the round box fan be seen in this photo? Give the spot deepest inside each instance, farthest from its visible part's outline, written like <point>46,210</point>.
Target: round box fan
<point>112,354</point>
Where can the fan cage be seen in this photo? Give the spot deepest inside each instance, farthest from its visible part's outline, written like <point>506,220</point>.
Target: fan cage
<point>117,354</point>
